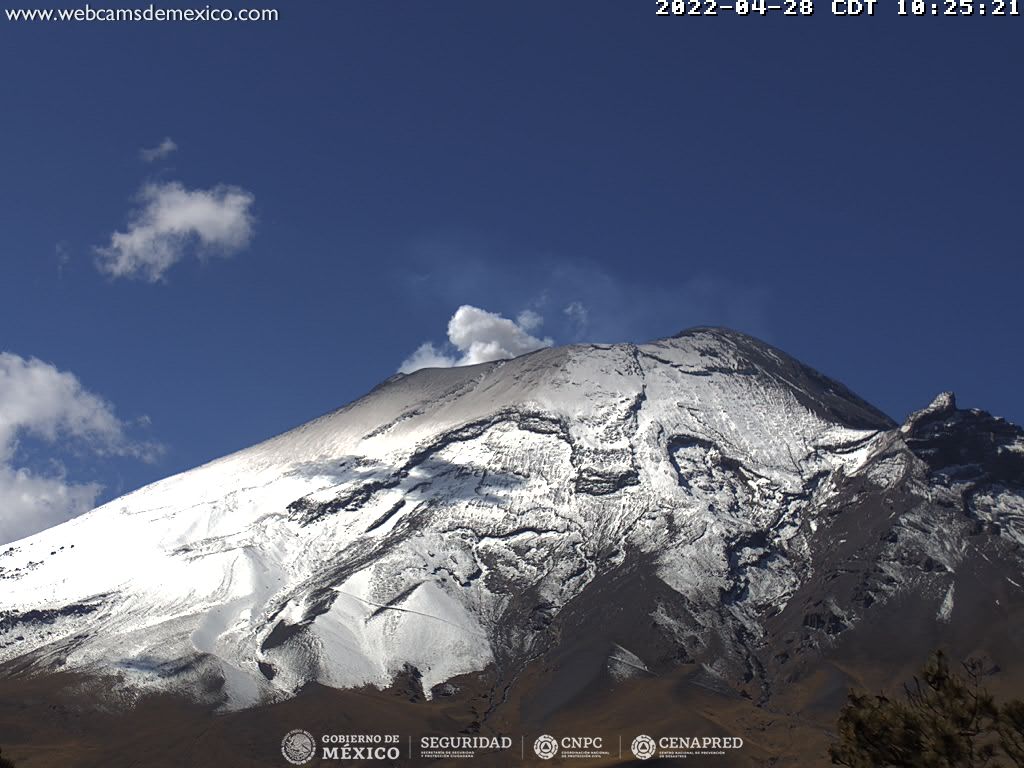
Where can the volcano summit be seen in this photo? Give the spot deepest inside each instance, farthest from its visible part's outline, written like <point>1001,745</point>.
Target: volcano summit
<point>703,505</point>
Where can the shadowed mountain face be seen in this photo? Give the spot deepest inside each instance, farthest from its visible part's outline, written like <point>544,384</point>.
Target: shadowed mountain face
<point>700,523</point>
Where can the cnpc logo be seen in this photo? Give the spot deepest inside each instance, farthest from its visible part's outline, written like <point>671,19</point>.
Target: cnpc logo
<point>547,747</point>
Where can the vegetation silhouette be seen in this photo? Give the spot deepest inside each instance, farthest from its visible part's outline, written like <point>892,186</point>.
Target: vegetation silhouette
<point>945,719</point>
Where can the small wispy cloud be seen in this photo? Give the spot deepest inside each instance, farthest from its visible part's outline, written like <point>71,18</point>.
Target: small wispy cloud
<point>159,152</point>
<point>478,336</point>
<point>37,400</point>
<point>60,250</point>
<point>584,299</point>
<point>173,220</point>
<point>578,315</point>
<point>529,320</point>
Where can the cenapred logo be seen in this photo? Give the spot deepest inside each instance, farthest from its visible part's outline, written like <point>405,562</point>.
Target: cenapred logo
<point>643,747</point>
<point>546,747</point>
<point>298,746</point>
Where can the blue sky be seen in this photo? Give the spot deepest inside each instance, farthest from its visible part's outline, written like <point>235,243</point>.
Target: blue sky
<point>847,189</point>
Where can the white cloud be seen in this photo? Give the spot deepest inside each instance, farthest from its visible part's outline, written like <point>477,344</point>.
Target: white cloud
<point>30,503</point>
<point>173,218</point>
<point>529,320</point>
<point>37,400</point>
<point>159,152</point>
<point>427,356</point>
<point>482,336</point>
<point>479,336</point>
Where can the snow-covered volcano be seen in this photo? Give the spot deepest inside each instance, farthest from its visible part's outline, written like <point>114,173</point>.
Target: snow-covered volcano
<point>443,523</point>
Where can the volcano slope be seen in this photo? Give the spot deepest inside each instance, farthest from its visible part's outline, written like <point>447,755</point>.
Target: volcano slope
<point>699,535</point>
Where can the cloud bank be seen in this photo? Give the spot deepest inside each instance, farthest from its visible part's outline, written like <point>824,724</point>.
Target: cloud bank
<point>39,401</point>
<point>478,336</point>
<point>159,152</point>
<point>171,221</point>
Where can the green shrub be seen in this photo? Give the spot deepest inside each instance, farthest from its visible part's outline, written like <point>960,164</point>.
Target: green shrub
<point>944,719</point>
